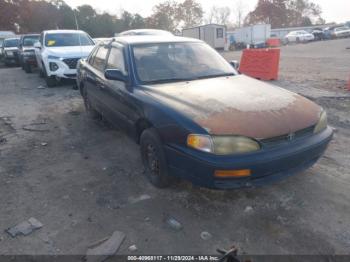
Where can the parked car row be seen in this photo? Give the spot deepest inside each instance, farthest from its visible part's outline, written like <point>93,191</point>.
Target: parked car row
<point>54,52</point>
<point>317,34</point>
<point>4,35</point>
<point>10,51</point>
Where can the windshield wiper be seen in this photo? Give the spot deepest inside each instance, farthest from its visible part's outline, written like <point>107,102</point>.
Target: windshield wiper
<point>214,76</point>
<point>159,81</point>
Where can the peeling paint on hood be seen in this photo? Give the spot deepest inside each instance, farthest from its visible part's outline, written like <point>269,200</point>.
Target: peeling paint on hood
<point>239,105</point>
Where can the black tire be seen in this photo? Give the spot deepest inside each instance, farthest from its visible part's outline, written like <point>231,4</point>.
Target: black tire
<point>153,158</point>
<point>91,112</point>
<point>51,81</point>
<point>27,68</point>
<point>41,73</point>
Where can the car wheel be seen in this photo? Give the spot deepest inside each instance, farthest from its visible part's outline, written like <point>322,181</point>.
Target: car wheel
<point>153,158</point>
<point>41,73</point>
<point>51,81</point>
<point>91,112</point>
<point>27,68</point>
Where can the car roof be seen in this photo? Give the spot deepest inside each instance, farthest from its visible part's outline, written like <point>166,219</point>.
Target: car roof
<point>150,39</point>
<point>63,31</point>
<point>30,35</point>
<point>145,32</point>
<point>12,38</point>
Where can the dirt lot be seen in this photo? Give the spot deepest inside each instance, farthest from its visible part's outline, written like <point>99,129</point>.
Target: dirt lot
<point>83,180</point>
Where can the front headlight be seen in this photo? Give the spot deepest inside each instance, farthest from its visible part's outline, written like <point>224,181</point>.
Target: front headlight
<point>222,145</point>
<point>322,123</point>
<point>225,145</point>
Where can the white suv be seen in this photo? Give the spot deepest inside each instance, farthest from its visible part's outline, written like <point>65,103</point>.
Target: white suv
<point>58,52</point>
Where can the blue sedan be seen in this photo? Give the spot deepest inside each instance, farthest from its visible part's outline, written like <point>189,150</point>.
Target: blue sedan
<point>196,118</point>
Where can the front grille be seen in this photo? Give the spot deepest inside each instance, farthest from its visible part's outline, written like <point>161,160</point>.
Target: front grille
<point>71,62</point>
<point>275,141</point>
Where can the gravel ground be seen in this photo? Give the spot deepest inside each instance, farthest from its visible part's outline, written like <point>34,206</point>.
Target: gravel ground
<point>84,180</point>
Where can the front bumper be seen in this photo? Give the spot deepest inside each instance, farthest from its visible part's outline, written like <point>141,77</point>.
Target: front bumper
<point>267,166</point>
<point>63,71</point>
<point>11,60</point>
<point>29,59</point>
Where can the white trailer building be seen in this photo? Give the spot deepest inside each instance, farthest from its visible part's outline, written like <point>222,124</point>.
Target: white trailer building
<point>213,34</point>
<point>252,35</point>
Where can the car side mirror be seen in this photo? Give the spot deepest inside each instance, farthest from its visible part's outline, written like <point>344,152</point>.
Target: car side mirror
<point>234,64</point>
<point>115,74</point>
<point>37,45</point>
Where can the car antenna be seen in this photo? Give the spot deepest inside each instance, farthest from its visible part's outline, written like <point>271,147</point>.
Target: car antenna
<point>77,26</point>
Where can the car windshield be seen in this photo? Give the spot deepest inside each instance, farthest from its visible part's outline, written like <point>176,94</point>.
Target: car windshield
<point>11,42</point>
<point>170,62</point>
<point>67,39</point>
<point>30,40</point>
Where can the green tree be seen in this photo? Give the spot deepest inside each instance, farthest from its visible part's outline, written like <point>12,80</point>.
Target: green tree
<point>171,15</point>
<point>66,17</point>
<point>138,22</point>
<point>283,13</point>
<point>165,16</point>
<point>190,13</point>
<point>8,15</point>
<point>36,16</point>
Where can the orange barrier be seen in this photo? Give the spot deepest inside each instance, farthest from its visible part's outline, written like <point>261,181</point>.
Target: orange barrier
<point>260,63</point>
<point>273,42</point>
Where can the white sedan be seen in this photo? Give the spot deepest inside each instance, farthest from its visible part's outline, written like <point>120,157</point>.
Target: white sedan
<point>299,36</point>
<point>341,32</point>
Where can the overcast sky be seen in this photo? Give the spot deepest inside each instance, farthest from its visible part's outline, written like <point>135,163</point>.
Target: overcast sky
<point>333,10</point>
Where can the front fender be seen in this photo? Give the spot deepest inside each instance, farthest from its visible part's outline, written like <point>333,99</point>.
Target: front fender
<point>171,125</point>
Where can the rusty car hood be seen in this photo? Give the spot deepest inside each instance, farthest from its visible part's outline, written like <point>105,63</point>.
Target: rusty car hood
<point>238,105</point>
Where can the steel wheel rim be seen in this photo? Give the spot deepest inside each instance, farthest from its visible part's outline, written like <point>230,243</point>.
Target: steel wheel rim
<point>152,160</point>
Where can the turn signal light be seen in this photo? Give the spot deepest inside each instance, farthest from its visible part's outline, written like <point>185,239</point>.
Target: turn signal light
<point>233,173</point>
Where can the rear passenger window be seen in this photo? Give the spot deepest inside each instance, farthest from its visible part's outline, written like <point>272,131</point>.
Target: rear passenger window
<point>116,59</point>
<point>100,58</point>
